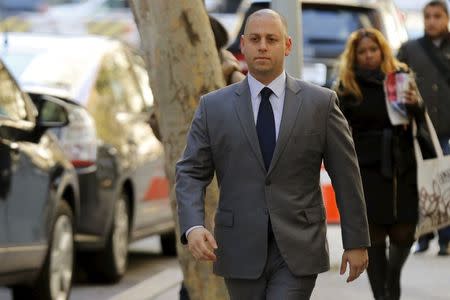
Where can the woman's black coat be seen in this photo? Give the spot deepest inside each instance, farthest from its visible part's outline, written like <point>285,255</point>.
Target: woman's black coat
<point>385,154</point>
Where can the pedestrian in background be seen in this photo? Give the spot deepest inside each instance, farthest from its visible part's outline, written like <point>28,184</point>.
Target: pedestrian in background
<point>429,58</point>
<point>385,155</point>
<point>265,138</point>
<point>231,68</point>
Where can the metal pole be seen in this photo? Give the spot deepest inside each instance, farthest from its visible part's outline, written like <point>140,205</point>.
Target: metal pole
<point>291,10</point>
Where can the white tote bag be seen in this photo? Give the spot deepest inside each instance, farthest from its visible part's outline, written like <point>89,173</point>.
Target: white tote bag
<point>433,183</point>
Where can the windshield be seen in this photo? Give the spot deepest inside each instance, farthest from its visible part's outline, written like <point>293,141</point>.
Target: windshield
<point>17,63</point>
<point>50,70</point>
<point>59,2</point>
<point>222,6</point>
<point>106,3</point>
<point>27,5</point>
<point>336,25</point>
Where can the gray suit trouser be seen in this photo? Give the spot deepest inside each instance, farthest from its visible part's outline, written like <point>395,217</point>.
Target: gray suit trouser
<point>275,283</point>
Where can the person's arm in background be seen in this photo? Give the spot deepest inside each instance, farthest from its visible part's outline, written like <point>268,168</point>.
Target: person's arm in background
<point>231,68</point>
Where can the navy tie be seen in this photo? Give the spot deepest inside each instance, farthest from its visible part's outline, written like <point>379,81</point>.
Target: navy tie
<point>265,127</point>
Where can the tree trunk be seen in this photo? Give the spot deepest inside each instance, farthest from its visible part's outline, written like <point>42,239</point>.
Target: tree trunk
<point>183,64</point>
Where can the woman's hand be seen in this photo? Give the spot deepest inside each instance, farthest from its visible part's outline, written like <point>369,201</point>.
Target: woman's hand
<point>411,95</point>
<point>413,102</point>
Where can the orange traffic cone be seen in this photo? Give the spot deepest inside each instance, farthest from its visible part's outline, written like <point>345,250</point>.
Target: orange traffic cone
<point>329,197</point>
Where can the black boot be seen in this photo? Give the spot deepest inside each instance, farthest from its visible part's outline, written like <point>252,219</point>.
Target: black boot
<point>377,271</point>
<point>423,243</point>
<point>397,258</point>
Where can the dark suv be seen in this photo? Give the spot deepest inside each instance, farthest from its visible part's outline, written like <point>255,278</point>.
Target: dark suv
<point>327,24</point>
<point>39,199</point>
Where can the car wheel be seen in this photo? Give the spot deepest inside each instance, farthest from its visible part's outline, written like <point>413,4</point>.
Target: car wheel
<point>110,264</point>
<point>168,244</point>
<point>55,279</point>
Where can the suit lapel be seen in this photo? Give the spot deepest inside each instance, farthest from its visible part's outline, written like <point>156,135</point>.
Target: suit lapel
<point>292,103</point>
<point>244,110</point>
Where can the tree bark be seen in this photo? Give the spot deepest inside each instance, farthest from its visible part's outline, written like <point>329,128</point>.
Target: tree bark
<point>183,64</point>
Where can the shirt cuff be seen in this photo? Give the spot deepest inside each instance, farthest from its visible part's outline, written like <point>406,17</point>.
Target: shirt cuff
<point>192,228</point>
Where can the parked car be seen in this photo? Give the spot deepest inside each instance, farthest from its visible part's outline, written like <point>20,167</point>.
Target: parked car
<point>39,199</point>
<point>12,7</point>
<point>327,24</point>
<point>112,18</point>
<point>119,161</point>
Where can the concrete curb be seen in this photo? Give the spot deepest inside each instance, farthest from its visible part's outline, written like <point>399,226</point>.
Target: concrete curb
<point>153,286</point>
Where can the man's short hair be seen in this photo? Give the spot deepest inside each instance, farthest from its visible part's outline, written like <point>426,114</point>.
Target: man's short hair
<point>268,11</point>
<point>440,3</point>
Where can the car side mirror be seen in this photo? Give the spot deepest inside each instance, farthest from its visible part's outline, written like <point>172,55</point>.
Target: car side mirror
<point>52,113</point>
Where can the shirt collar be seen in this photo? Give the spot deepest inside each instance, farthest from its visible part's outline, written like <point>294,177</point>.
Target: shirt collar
<point>277,85</point>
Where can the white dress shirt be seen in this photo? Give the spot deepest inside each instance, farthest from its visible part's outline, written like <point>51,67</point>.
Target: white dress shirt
<point>278,87</point>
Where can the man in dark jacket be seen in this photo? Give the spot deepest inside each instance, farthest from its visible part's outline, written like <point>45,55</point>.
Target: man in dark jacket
<point>429,58</point>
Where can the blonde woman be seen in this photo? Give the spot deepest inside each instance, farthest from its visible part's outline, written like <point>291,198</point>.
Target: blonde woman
<point>385,155</point>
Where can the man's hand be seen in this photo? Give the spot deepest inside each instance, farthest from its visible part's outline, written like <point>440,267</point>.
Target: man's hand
<point>358,260</point>
<point>201,244</point>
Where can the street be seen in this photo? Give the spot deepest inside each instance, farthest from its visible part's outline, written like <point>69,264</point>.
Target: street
<point>425,277</point>
<point>145,260</point>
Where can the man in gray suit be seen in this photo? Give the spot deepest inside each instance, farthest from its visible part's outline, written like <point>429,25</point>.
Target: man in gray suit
<point>429,58</point>
<point>265,138</point>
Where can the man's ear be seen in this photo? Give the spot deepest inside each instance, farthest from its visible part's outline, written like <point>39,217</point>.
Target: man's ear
<point>288,46</point>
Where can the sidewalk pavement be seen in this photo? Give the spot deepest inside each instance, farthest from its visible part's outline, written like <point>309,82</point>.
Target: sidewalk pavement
<point>425,277</point>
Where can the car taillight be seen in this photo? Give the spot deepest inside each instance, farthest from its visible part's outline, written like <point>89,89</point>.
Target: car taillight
<point>79,139</point>
<point>241,58</point>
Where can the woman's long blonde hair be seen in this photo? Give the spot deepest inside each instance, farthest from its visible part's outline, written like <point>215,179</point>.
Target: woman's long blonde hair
<point>346,83</point>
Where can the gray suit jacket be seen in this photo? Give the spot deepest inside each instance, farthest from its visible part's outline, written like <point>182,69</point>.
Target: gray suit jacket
<point>223,139</point>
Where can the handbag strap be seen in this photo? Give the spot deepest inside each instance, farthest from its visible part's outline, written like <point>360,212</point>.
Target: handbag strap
<point>434,139</point>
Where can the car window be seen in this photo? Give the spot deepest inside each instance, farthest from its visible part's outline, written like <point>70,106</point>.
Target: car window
<point>124,87</point>
<point>336,25</point>
<point>222,6</point>
<point>116,4</point>
<point>52,112</point>
<point>29,5</point>
<point>12,104</point>
<point>59,2</point>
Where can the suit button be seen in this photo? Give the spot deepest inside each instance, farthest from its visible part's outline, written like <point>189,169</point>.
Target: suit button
<point>268,182</point>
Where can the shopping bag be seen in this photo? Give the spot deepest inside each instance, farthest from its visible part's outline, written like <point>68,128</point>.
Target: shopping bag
<point>433,183</point>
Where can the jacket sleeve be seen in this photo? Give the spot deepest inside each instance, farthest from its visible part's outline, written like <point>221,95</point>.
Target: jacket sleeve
<point>342,166</point>
<point>194,172</point>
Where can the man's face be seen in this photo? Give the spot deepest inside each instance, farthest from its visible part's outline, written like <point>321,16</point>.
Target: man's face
<point>436,21</point>
<point>264,45</point>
